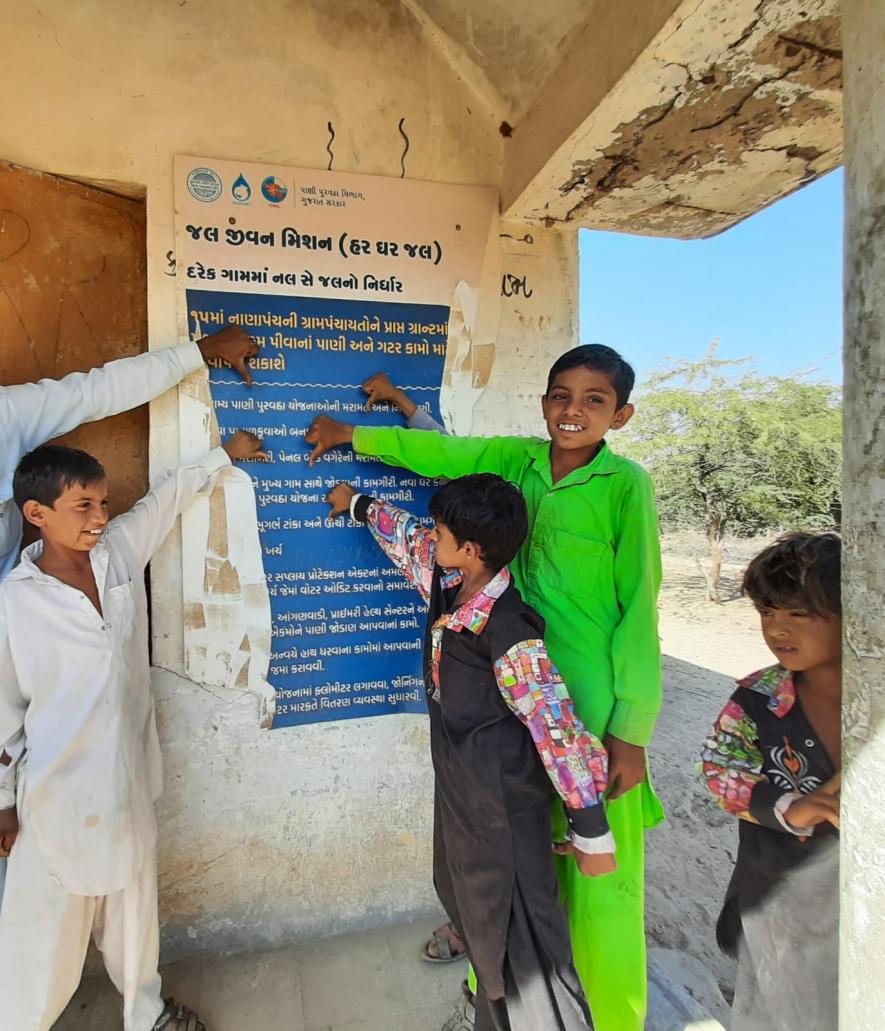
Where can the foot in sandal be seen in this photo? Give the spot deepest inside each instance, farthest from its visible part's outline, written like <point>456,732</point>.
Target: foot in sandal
<point>443,946</point>
<point>176,1017</point>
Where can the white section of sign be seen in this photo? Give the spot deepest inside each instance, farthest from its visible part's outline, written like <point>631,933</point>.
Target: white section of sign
<point>278,230</point>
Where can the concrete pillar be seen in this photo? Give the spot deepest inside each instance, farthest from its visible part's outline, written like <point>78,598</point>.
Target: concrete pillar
<point>862,984</point>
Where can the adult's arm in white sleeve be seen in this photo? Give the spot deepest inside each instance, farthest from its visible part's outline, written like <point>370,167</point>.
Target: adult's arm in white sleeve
<point>146,525</point>
<point>33,413</point>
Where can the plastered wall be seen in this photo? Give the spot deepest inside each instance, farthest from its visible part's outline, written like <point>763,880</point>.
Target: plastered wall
<point>269,837</point>
<point>861,987</point>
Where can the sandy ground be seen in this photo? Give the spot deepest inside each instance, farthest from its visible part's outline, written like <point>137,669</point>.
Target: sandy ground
<point>724,637</point>
<point>690,856</point>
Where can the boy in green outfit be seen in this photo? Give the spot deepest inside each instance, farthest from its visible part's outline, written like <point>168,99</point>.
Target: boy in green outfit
<point>591,566</point>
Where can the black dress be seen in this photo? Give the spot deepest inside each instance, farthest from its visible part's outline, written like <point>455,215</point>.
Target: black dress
<point>492,856</point>
<point>781,911</point>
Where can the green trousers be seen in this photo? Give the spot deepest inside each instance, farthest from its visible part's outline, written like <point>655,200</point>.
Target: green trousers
<point>607,915</point>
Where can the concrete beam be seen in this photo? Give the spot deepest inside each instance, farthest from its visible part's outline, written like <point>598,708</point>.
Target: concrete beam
<point>862,987</point>
<point>681,119</point>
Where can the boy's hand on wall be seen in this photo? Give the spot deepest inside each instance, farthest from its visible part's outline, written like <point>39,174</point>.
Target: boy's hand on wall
<point>590,864</point>
<point>339,497</point>
<point>380,389</point>
<point>325,433</point>
<point>8,830</point>
<point>626,766</point>
<point>233,346</point>
<point>244,445</point>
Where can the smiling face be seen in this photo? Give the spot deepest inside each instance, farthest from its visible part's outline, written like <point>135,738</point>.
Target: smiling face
<point>799,640</point>
<point>580,407</point>
<point>77,518</point>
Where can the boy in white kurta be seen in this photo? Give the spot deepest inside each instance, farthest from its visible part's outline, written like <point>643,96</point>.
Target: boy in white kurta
<point>76,716</point>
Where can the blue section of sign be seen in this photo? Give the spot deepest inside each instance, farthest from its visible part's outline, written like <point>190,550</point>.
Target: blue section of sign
<point>347,629</point>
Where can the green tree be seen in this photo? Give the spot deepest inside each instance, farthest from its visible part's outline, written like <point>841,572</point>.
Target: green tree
<point>737,453</point>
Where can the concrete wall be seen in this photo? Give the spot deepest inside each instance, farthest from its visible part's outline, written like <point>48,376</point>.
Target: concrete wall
<point>268,837</point>
<point>862,990</point>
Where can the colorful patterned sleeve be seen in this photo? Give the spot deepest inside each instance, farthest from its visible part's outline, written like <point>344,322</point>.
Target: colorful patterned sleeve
<point>409,545</point>
<point>731,762</point>
<point>574,759</point>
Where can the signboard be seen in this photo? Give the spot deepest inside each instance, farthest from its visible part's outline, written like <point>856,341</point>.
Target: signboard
<point>336,276</point>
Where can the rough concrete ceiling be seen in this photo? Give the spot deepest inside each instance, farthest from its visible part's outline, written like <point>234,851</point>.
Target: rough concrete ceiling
<point>518,44</point>
<point>664,117</point>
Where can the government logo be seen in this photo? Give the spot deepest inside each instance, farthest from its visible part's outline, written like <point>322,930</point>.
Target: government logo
<point>241,190</point>
<point>204,185</point>
<point>274,190</point>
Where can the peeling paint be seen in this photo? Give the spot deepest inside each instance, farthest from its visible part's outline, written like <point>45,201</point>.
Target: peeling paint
<point>459,393</point>
<point>471,347</point>
<point>733,106</point>
<point>223,585</point>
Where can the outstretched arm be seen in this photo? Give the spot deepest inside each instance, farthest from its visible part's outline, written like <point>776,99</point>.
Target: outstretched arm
<point>410,546</point>
<point>145,526</point>
<point>426,453</point>
<point>381,390</point>
<point>32,413</point>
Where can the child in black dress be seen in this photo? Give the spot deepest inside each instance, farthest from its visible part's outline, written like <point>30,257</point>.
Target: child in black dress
<point>502,727</point>
<point>773,760</point>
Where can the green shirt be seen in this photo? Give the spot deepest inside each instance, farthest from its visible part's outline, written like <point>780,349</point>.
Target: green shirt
<point>591,564</point>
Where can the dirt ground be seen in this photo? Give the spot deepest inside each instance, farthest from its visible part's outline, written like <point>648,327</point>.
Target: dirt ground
<point>706,646</point>
<point>723,637</point>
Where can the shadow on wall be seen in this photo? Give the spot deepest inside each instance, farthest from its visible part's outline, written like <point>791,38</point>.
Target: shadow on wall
<point>690,856</point>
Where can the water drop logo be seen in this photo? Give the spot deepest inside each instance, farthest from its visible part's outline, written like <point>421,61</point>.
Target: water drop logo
<point>241,190</point>
<point>274,189</point>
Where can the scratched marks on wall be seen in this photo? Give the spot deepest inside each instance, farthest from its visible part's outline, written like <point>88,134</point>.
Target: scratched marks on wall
<point>15,233</point>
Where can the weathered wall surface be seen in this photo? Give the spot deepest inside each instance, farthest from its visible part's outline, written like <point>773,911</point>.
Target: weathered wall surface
<point>862,990</point>
<point>268,837</point>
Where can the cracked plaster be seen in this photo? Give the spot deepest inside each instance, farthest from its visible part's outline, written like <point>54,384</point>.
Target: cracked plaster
<point>735,105</point>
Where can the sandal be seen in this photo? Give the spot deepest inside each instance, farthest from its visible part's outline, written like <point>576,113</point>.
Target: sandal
<point>447,943</point>
<point>176,1017</point>
<point>463,1017</point>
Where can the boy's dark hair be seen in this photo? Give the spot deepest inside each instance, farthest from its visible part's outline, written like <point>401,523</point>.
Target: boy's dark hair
<point>800,570</point>
<point>601,359</point>
<point>484,509</point>
<point>44,473</point>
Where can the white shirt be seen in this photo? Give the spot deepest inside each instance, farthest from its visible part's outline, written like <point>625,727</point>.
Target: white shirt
<point>32,413</point>
<point>75,702</point>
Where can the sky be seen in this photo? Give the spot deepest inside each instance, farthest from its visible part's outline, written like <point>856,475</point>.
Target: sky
<point>770,288</point>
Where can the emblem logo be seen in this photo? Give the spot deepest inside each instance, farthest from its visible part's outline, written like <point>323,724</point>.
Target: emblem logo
<point>274,189</point>
<point>241,190</point>
<point>204,185</point>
